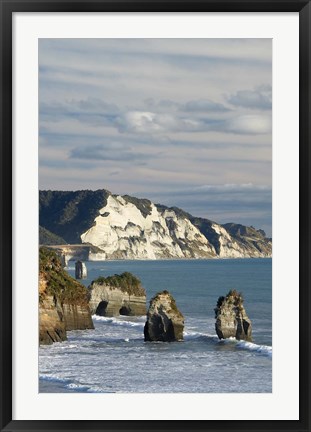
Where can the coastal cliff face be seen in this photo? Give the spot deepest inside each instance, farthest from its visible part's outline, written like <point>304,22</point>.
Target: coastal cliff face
<point>117,295</point>
<point>125,227</point>
<point>231,318</point>
<point>165,322</point>
<point>63,302</point>
<point>77,316</point>
<point>122,230</point>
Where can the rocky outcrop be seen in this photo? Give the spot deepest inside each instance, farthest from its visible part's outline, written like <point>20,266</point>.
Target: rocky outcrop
<point>117,295</point>
<point>164,321</point>
<point>63,301</point>
<point>124,227</point>
<point>231,318</point>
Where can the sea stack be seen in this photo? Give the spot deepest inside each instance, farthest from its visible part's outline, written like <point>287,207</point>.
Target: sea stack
<point>117,295</point>
<point>231,317</point>
<point>165,322</point>
<point>80,270</point>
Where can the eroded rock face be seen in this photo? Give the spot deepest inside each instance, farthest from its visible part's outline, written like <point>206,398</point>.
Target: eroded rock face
<point>51,326</point>
<point>117,295</point>
<point>164,321</point>
<point>63,302</point>
<point>77,317</point>
<point>231,318</point>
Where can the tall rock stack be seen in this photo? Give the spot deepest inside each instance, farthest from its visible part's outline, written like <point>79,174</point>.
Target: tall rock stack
<point>165,322</point>
<point>231,318</point>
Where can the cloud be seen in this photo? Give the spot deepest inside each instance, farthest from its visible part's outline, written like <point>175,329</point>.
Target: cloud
<point>224,190</point>
<point>192,117</point>
<point>103,152</point>
<point>251,49</point>
<point>204,105</point>
<point>248,124</point>
<point>192,106</point>
<point>259,98</point>
<point>148,122</point>
<point>161,105</point>
<point>139,121</point>
<point>90,110</point>
<point>95,105</point>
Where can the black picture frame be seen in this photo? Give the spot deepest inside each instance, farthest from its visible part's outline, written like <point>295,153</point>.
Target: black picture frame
<point>6,192</point>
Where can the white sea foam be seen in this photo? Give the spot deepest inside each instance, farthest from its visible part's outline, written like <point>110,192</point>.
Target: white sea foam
<point>250,346</point>
<point>69,384</point>
<point>261,349</point>
<point>192,335</point>
<point>54,378</point>
<point>120,321</point>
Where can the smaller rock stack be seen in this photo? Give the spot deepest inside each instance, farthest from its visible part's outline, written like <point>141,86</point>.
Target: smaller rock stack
<point>231,318</point>
<point>80,270</point>
<point>117,295</point>
<point>165,322</point>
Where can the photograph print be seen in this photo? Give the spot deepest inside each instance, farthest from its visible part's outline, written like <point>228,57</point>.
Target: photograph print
<point>155,210</point>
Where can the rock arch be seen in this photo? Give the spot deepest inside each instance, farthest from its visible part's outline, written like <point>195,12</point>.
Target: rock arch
<point>101,308</point>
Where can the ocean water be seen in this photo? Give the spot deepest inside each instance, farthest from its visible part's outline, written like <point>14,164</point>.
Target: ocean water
<point>114,357</point>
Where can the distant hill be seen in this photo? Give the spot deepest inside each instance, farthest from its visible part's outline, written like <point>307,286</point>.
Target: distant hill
<point>46,237</point>
<point>127,227</point>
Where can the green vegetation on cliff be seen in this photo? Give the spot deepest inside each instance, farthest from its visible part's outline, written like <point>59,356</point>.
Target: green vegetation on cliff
<point>203,225</point>
<point>143,204</point>
<point>69,214</point>
<point>126,282</point>
<point>58,282</point>
<point>239,230</point>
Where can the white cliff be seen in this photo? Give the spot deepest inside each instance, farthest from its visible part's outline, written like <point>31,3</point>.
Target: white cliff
<point>122,231</point>
<point>125,230</point>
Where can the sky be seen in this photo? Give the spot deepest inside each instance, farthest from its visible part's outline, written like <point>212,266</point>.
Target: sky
<point>182,122</point>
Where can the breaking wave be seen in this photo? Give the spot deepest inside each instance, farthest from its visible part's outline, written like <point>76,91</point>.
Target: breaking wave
<point>120,321</point>
<point>70,385</point>
<point>241,344</point>
<point>190,335</point>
